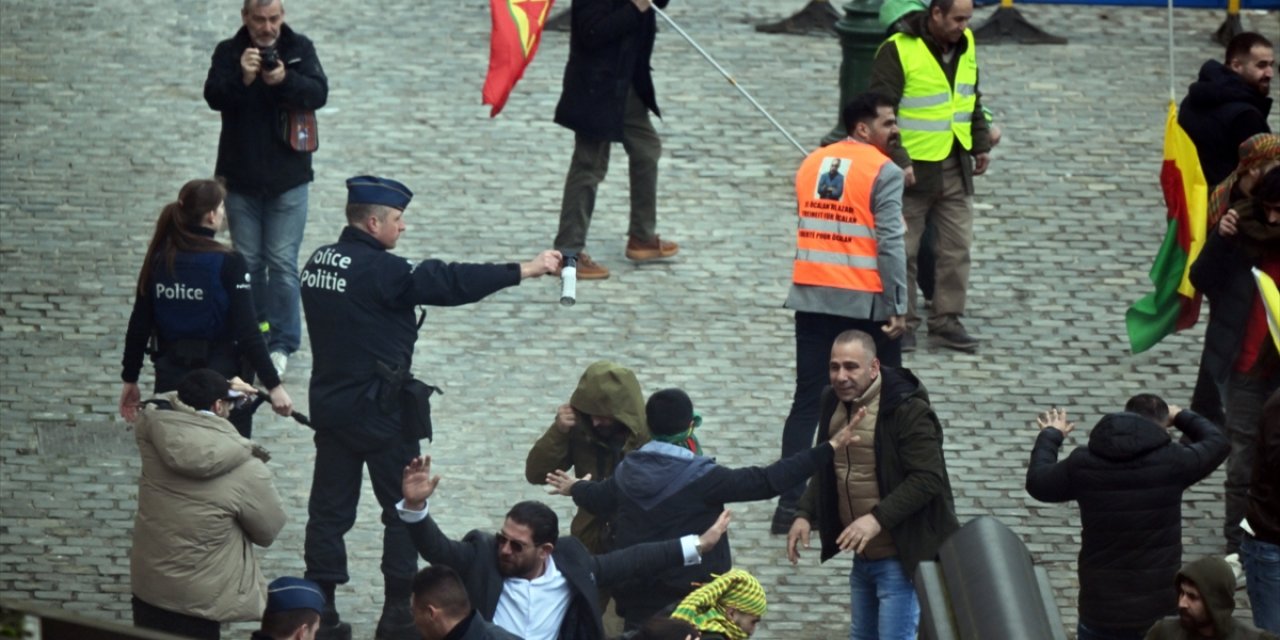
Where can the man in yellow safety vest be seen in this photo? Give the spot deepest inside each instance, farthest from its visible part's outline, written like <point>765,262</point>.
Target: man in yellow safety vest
<point>930,69</point>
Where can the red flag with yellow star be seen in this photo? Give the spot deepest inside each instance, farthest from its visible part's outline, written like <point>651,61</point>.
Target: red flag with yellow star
<point>517,30</point>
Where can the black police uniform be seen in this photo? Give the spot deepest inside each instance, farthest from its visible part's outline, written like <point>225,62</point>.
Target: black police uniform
<point>201,314</point>
<point>359,303</point>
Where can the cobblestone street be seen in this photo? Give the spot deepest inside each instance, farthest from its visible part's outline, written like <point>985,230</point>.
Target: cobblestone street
<point>102,119</point>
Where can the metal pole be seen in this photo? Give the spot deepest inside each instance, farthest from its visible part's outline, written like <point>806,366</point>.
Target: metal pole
<point>729,78</point>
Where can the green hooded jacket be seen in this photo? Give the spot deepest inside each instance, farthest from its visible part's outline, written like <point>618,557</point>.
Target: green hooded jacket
<point>605,389</point>
<point>1217,584</point>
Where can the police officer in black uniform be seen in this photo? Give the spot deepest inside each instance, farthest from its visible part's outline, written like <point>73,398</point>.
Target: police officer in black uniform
<point>359,301</point>
<point>194,305</point>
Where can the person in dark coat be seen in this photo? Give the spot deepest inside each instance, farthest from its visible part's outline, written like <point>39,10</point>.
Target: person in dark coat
<point>1260,548</point>
<point>666,489</point>
<point>1129,482</point>
<point>607,96</point>
<point>1205,591</point>
<point>528,579</point>
<point>1238,352</point>
<point>360,302</point>
<point>442,610</point>
<point>886,497</point>
<point>1228,103</point>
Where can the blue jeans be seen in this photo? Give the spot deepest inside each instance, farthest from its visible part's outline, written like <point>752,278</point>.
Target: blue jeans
<point>882,601</point>
<point>1097,633</point>
<point>1262,570</point>
<point>268,233</point>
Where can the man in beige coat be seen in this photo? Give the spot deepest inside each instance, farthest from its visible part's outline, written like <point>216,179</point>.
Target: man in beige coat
<point>205,497</point>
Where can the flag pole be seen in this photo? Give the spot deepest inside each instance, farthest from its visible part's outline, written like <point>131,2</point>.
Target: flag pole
<point>729,78</point>
<point>1172,96</point>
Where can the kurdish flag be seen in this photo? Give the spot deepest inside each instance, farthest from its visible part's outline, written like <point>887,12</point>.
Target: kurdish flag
<point>1271,301</point>
<point>1175,304</point>
<point>517,30</point>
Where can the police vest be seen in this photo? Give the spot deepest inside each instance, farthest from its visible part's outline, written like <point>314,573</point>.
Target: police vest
<point>931,114</point>
<point>836,233</point>
<point>190,302</point>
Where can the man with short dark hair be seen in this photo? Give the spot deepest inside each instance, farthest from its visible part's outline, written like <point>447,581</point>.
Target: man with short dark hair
<point>367,409</point>
<point>1229,103</point>
<point>293,610</point>
<point>850,268</point>
<point>256,78</point>
<point>930,70</point>
<point>886,496</point>
<point>442,610</point>
<point>205,499</point>
<point>1129,482</point>
<point>526,578</point>
<point>1206,599</point>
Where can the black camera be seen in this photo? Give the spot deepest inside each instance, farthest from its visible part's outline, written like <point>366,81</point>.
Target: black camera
<point>270,59</point>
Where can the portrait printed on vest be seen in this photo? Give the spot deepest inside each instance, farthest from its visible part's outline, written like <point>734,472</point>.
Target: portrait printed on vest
<point>831,176</point>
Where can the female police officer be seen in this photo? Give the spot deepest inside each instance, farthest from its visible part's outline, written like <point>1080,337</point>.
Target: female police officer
<point>193,297</point>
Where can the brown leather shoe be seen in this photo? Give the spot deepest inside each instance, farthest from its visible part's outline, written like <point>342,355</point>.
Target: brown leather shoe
<point>655,249</point>
<point>589,269</point>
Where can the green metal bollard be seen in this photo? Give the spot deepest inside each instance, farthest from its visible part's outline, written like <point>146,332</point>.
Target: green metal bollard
<point>860,37</point>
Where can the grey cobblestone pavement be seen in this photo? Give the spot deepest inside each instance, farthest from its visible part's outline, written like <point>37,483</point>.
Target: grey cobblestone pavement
<point>102,119</point>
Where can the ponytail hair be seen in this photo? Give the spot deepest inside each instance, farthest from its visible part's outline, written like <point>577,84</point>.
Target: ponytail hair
<point>175,229</point>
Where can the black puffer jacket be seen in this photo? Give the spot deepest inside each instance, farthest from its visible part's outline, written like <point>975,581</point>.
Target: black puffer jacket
<point>1129,483</point>
<point>1221,111</point>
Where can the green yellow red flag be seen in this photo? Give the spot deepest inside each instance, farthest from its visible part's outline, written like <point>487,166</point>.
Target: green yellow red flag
<point>1175,304</point>
<point>517,31</point>
<point>1271,301</point>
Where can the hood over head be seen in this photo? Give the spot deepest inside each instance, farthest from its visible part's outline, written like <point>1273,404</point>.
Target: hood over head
<point>1217,585</point>
<point>190,443</point>
<point>1125,436</point>
<point>610,389</point>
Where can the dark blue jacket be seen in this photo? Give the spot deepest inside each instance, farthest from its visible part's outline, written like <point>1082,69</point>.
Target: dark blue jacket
<point>359,301</point>
<point>1221,111</point>
<point>661,491</point>
<point>1129,483</point>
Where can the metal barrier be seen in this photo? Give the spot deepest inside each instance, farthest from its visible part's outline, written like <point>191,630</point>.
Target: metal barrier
<point>26,620</point>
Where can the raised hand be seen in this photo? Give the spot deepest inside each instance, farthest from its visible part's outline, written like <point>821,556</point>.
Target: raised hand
<point>417,484</point>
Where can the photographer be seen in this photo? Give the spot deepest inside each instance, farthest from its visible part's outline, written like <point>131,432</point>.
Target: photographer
<point>267,83</point>
<point>360,301</point>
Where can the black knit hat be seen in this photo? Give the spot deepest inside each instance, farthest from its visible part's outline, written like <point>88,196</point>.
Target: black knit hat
<point>669,412</point>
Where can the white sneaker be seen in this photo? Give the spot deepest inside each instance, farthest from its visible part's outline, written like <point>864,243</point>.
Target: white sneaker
<point>280,360</point>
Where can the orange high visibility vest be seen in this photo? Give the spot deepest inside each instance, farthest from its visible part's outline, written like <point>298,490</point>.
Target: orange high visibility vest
<point>836,232</point>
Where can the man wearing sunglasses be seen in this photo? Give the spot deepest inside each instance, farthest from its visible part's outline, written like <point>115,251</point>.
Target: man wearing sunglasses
<point>526,578</point>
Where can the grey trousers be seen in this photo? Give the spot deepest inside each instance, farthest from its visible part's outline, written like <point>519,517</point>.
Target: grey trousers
<point>950,211</point>
<point>588,167</point>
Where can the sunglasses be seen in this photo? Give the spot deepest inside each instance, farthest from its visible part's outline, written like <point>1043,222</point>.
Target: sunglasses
<point>516,545</point>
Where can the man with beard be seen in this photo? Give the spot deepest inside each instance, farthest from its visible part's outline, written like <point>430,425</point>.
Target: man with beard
<point>1228,103</point>
<point>1238,351</point>
<point>1206,598</point>
<point>850,268</point>
<point>528,579</point>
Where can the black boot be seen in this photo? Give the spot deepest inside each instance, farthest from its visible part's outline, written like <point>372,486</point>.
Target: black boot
<point>396,622</point>
<point>331,626</point>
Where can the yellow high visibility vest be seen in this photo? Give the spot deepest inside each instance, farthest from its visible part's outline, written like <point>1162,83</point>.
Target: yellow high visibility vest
<point>932,113</point>
<point>836,231</point>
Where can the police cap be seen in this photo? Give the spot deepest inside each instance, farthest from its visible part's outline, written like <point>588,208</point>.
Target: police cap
<point>375,190</point>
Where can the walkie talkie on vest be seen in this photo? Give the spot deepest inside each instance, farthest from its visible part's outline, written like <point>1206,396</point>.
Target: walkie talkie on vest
<point>569,280</point>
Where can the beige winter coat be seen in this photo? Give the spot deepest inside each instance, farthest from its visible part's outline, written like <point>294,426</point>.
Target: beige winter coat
<point>204,500</point>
